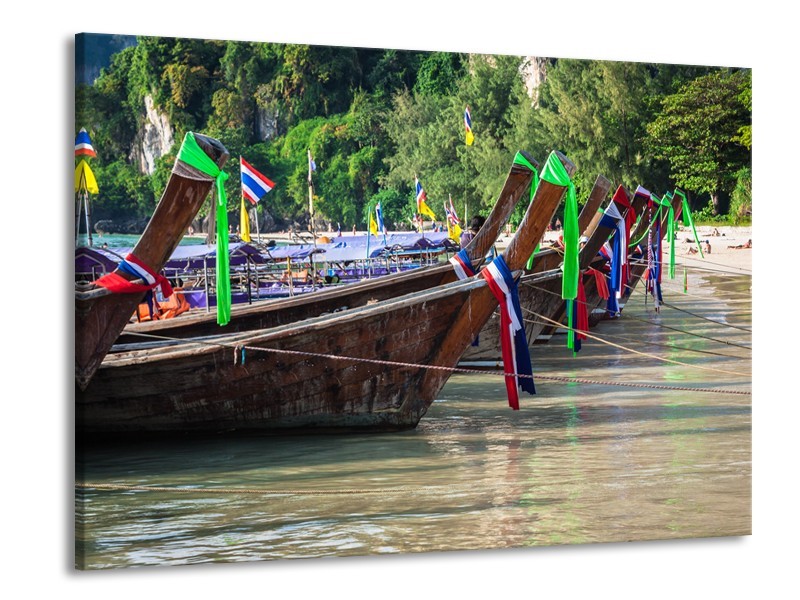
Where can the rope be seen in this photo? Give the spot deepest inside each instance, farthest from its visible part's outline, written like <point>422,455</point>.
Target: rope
<point>689,333</point>
<point>650,343</point>
<point>392,363</point>
<point>612,344</point>
<point>629,316</point>
<point>707,318</point>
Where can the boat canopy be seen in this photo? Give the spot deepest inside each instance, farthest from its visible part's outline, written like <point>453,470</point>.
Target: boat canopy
<point>196,256</point>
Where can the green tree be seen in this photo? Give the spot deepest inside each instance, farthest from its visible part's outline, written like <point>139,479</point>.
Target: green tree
<point>699,133</point>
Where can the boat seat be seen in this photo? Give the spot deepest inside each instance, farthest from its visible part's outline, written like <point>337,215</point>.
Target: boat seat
<point>174,305</point>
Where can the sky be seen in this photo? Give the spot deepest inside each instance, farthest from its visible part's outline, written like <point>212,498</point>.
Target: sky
<point>37,441</point>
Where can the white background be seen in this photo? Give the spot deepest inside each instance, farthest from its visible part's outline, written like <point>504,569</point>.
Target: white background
<point>37,127</point>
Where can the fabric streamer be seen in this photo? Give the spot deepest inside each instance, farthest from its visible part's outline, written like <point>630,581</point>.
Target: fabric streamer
<point>117,284</point>
<point>194,156</point>
<point>687,218</point>
<point>600,283</point>
<point>667,205</point>
<point>581,318</point>
<point>462,265</point>
<point>513,342</point>
<point>555,173</point>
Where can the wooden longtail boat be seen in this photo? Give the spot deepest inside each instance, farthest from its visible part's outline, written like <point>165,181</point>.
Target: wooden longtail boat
<point>638,264</point>
<point>589,260</point>
<point>273,313</point>
<point>316,374</point>
<point>100,315</point>
<point>531,298</point>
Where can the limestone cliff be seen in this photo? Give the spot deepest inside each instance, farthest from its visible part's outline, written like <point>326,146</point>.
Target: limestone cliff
<point>154,138</point>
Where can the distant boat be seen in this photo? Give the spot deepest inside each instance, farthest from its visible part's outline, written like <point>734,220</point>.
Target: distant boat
<point>369,368</point>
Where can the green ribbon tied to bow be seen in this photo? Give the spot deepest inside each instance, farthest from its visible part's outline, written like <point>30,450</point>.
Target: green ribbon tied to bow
<point>520,159</point>
<point>666,204</point>
<point>687,218</point>
<point>194,156</point>
<point>555,173</point>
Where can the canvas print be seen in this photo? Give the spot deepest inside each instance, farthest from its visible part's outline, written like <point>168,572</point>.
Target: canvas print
<point>343,301</point>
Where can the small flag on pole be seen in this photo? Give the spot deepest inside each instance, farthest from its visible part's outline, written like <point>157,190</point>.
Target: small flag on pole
<point>422,207</point>
<point>379,216</point>
<point>254,184</point>
<point>453,227</point>
<point>468,125</point>
<point>244,223</point>
<point>83,145</point>
<point>452,214</point>
<point>84,178</point>
<point>373,226</point>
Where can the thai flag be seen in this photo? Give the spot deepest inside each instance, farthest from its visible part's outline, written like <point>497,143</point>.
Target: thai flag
<point>468,125</point>
<point>83,145</point>
<point>379,216</point>
<point>254,184</point>
<point>451,213</point>
<point>421,195</point>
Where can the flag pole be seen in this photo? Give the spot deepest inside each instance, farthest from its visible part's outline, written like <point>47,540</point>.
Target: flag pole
<point>369,235</point>
<point>311,215</point>
<point>88,217</point>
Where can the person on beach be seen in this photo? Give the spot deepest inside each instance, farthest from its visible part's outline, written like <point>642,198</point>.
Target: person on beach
<point>474,225</point>
<point>749,244</point>
<point>707,247</point>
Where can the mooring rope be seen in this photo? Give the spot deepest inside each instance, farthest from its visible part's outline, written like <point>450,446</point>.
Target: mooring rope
<point>631,350</point>
<point>731,325</point>
<point>626,338</point>
<point>627,315</point>
<point>237,348</point>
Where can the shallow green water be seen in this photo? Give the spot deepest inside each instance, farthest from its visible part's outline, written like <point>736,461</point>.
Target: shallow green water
<point>579,463</point>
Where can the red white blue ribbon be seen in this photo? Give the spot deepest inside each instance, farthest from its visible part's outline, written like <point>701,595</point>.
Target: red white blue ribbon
<point>513,342</point>
<point>462,265</point>
<point>136,268</point>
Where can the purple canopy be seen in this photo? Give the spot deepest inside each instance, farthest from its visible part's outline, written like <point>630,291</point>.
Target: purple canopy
<point>103,260</point>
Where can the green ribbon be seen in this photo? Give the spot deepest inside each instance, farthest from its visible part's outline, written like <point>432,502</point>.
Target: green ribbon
<point>555,173</point>
<point>194,156</point>
<point>667,205</point>
<point>687,218</point>
<point>654,219</point>
<point>520,159</point>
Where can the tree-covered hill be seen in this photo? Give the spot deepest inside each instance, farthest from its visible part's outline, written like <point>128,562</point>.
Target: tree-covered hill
<point>374,119</point>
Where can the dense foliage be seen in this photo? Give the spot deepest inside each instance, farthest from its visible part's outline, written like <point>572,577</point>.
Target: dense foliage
<point>374,119</point>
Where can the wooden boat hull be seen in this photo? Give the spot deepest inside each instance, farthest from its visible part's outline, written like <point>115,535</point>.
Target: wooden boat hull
<point>208,386</point>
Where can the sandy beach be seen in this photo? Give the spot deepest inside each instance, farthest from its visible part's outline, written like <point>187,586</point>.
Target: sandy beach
<point>722,257</point>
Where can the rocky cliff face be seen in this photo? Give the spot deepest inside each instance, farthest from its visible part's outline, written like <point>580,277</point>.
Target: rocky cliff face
<point>153,140</point>
<point>533,71</point>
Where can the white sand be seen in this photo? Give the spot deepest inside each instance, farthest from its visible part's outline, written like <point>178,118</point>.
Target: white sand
<point>721,257</point>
